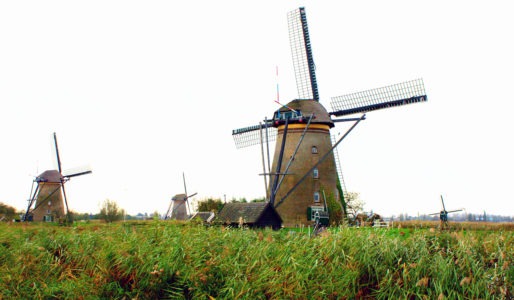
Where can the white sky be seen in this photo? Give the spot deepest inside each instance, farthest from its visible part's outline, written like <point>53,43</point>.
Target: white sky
<point>145,90</point>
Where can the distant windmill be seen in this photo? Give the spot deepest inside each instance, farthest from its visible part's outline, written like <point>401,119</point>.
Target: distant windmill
<point>48,201</point>
<point>179,205</point>
<point>301,129</point>
<point>443,215</point>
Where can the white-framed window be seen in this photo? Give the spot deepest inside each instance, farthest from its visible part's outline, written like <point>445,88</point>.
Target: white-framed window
<point>314,150</point>
<point>316,196</point>
<point>315,173</point>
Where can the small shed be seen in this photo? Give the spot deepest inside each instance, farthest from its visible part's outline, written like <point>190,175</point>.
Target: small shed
<point>253,215</point>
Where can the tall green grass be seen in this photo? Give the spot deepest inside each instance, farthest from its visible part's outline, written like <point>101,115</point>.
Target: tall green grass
<point>167,260</point>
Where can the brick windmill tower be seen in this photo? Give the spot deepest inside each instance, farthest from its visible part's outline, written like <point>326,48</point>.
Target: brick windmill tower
<point>304,172</point>
<point>48,201</point>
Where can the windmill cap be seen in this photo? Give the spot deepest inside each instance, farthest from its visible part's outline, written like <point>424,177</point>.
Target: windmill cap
<point>179,197</point>
<point>308,107</point>
<point>52,176</point>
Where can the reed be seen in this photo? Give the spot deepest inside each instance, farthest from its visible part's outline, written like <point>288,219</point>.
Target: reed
<point>170,260</point>
<point>489,226</point>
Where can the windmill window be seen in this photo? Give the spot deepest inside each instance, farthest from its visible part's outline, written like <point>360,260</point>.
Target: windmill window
<point>287,114</point>
<point>315,173</point>
<point>47,211</point>
<point>314,150</point>
<point>316,196</point>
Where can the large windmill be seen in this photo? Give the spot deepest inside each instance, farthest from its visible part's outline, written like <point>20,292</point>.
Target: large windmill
<point>443,215</point>
<point>48,201</point>
<point>301,129</point>
<point>179,205</point>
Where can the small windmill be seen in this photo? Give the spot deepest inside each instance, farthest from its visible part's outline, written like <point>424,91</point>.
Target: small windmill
<point>48,201</point>
<point>179,205</point>
<point>443,215</point>
<point>301,129</point>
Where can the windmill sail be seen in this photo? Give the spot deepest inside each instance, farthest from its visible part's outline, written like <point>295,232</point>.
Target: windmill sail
<point>339,168</point>
<point>250,136</point>
<point>60,175</point>
<point>74,172</point>
<point>304,68</point>
<point>57,154</point>
<point>389,96</point>
<point>442,203</point>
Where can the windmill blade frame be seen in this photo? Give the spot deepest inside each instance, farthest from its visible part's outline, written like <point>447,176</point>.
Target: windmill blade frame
<point>68,217</point>
<point>455,210</point>
<point>188,211</point>
<point>399,94</point>
<point>77,174</point>
<point>442,202</point>
<point>301,51</point>
<point>250,136</point>
<point>79,171</point>
<point>64,178</point>
<point>339,169</point>
<point>192,195</point>
<point>59,168</point>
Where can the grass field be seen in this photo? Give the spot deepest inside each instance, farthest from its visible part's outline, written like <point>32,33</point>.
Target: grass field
<point>167,260</point>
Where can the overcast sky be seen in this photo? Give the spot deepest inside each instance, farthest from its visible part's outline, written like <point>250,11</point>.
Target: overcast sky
<point>145,90</point>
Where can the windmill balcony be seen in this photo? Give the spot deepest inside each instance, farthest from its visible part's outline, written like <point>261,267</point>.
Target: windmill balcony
<point>279,118</point>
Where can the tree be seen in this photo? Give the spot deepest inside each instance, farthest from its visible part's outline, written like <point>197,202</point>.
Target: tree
<point>354,205</point>
<point>210,204</point>
<point>242,200</point>
<point>7,212</point>
<point>110,211</point>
